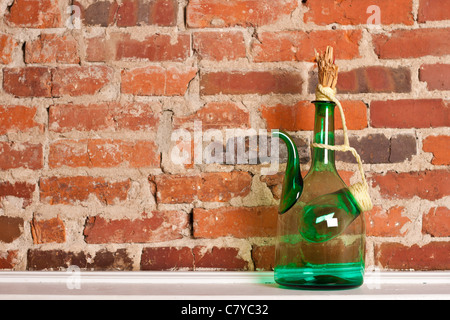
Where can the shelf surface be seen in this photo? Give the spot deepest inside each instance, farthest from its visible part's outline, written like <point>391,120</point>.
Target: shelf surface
<point>211,286</point>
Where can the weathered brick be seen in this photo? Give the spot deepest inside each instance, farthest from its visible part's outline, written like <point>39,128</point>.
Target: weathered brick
<point>439,146</point>
<point>242,222</point>
<point>301,116</point>
<point>158,47</point>
<point>100,153</point>
<point>403,147</point>
<point>216,115</point>
<point>437,76</point>
<point>218,46</point>
<point>375,79</point>
<point>35,14</point>
<point>404,43</point>
<point>20,190</point>
<point>263,257</point>
<point>251,82</point>
<point>80,80</point>
<point>432,256</point>
<point>433,10</point>
<point>409,113</point>
<point>72,190</point>
<point>167,258</point>
<point>300,45</point>
<point>99,13</point>
<point>48,231</point>
<point>354,12</point>
<point>208,187</point>
<point>138,12</point>
<point>108,116</point>
<point>218,13</point>
<point>437,222</point>
<point>18,118</point>
<point>160,226</point>
<point>55,260</point>
<point>377,148</point>
<point>197,258</point>
<point>430,185</point>
<point>11,228</point>
<point>28,82</point>
<point>21,155</point>
<point>219,258</point>
<point>7,46</point>
<point>51,48</point>
<point>157,81</point>
<point>8,259</point>
<point>387,223</point>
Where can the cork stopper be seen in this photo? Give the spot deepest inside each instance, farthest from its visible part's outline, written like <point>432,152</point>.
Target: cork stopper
<point>328,70</point>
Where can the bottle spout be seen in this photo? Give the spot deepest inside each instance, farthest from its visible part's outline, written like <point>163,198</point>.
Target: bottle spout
<point>293,181</point>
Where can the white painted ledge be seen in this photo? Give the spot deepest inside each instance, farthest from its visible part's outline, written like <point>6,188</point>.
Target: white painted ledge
<point>211,286</point>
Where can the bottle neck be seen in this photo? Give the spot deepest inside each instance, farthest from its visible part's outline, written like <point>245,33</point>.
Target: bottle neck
<point>323,159</point>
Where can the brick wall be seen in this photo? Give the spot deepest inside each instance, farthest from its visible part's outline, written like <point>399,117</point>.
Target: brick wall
<point>88,110</point>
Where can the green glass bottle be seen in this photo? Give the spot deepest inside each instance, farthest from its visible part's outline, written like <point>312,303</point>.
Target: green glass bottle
<point>308,258</point>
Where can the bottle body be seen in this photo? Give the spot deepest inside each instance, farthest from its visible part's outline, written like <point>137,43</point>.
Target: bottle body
<point>334,263</point>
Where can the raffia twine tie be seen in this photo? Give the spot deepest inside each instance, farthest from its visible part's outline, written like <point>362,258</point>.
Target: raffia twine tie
<point>359,190</point>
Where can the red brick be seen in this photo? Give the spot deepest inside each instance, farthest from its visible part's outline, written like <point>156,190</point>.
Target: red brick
<point>71,190</point>
<point>18,118</point>
<point>437,76</point>
<point>21,155</point>
<point>48,231</point>
<point>109,116</point>
<point>249,13</point>
<point>263,258</point>
<point>216,115</point>
<point>354,12</point>
<point>207,187</point>
<point>251,82</point>
<point>138,12</point>
<point>51,48</point>
<point>412,43</point>
<point>57,260</point>
<point>11,228</point>
<point>437,222</point>
<point>161,226</point>
<point>7,46</point>
<point>218,46</point>
<point>167,258</point>
<point>432,256</point>
<point>35,14</point>
<point>99,13</point>
<point>235,222</point>
<point>20,190</point>
<point>433,10</point>
<point>301,116</point>
<point>100,153</point>
<point>426,113</point>
<point>8,259</point>
<point>157,81</point>
<point>300,45</point>
<point>158,47</point>
<point>98,49</point>
<point>430,185</point>
<point>80,80</point>
<point>28,82</point>
<point>375,79</point>
<point>219,258</point>
<point>439,146</point>
<point>386,223</point>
